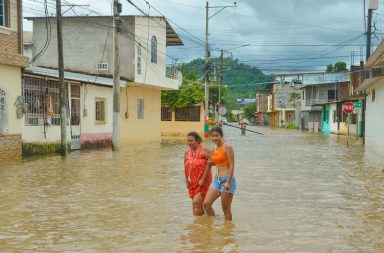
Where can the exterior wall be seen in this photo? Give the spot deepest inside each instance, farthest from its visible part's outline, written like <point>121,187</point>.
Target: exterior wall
<point>180,129</point>
<point>10,82</point>
<point>132,129</point>
<point>326,119</point>
<point>84,41</point>
<point>374,119</point>
<point>93,134</point>
<point>11,40</point>
<point>152,73</point>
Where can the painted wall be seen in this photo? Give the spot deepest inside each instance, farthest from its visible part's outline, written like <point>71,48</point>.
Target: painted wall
<point>182,128</point>
<point>10,82</point>
<point>374,119</point>
<point>86,41</point>
<point>326,119</point>
<point>340,127</point>
<point>134,130</point>
<point>90,130</point>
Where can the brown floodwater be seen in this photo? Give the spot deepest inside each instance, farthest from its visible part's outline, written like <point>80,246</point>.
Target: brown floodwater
<point>297,192</point>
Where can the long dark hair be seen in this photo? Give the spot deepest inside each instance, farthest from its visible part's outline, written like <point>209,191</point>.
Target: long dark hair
<point>217,130</point>
<point>196,136</point>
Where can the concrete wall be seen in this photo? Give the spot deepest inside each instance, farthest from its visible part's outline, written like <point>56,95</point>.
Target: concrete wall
<point>10,82</point>
<point>134,130</point>
<point>180,129</point>
<point>374,119</point>
<point>86,41</point>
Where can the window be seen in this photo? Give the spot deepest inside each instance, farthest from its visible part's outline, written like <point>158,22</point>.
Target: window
<point>42,101</point>
<point>138,67</point>
<point>166,114</point>
<point>3,115</point>
<point>154,49</point>
<point>373,95</point>
<point>332,95</point>
<point>3,12</point>
<point>140,108</point>
<point>189,113</point>
<point>100,111</point>
<point>326,116</point>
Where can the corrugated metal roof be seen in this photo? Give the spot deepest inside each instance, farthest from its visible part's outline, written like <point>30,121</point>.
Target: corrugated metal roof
<point>103,81</point>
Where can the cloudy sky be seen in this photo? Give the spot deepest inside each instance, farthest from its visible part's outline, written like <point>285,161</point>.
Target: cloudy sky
<point>281,35</point>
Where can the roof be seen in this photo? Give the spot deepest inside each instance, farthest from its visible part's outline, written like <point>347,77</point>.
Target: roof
<point>102,81</point>
<point>376,59</point>
<point>172,38</point>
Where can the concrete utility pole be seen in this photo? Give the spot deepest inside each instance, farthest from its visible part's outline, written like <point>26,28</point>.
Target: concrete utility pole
<point>221,73</point>
<point>63,88</point>
<point>373,5</point>
<point>116,76</point>
<point>206,83</point>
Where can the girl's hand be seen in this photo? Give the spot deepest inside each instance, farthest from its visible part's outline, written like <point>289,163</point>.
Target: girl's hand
<point>201,182</point>
<point>226,186</point>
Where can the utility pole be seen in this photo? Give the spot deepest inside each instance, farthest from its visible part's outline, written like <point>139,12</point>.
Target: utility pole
<point>373,5</point>
<point>116,76</point>
<point>63,88</point>
<point>206,83</point>
<point>221,73</point>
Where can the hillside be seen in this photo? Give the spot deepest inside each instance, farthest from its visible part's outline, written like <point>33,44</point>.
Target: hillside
<point>241,79</point>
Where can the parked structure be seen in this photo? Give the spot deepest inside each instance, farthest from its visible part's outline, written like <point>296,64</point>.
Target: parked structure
<point>11,63</point>
<point>373,87</point>
<point>143,70</point>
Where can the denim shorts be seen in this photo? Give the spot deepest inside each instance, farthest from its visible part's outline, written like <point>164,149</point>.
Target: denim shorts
<point>218,184</point>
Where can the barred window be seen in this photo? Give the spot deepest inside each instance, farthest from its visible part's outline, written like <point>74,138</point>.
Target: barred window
<point>100,111</point>
<point>154,49</point>
<point>3,115</point>
<point>138,67</point>
<point>189,113</point>
<point>140,108</point>
<point>42,101</point>
<point>166,114</point>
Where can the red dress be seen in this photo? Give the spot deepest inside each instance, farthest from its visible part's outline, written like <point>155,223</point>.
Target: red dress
<point>194,166</point>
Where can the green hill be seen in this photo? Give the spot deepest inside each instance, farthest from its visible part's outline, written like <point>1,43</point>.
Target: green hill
<point>241,79</point>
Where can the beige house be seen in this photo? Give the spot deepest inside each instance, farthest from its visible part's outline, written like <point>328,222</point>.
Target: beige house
<point>88,50</point>
<point>11,64</point>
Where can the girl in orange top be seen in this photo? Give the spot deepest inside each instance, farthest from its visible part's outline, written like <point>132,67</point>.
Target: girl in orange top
<point>224,183</point>
<point>195,164</point>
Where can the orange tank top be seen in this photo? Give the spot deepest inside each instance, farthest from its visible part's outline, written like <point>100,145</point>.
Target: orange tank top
<point>219,158</point>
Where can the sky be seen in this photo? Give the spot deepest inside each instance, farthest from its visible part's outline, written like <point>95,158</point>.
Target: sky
<point>274,35</point>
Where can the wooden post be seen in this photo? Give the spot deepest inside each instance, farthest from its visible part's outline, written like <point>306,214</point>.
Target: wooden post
<point>63,88</point>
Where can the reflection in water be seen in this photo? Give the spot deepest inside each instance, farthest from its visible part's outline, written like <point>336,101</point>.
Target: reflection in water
<point>209,235</point>
<point>296,192</point>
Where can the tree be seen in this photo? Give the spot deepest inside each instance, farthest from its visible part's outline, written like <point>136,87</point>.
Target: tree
<point>330,68</point>
<point>250,110</point>
<point>340,67</point>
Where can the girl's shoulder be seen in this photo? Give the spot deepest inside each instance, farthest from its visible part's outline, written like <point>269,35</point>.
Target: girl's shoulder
<point>227,146</point>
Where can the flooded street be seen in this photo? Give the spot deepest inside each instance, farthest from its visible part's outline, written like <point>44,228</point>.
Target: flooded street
<point>296,192</point>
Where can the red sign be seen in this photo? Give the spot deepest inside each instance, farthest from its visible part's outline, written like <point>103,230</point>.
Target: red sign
<point>348,107</point>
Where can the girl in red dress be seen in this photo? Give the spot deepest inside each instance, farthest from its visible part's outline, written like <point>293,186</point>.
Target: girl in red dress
<point>196,160</point>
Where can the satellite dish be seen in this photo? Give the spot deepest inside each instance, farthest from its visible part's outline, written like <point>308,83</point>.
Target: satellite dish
<point>179,77</point>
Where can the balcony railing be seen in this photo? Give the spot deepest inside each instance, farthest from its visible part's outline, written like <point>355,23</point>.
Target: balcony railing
<point>312,102</point>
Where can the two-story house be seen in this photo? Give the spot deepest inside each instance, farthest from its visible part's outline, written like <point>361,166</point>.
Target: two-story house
<point>321,101</point>
<point>11,64</point>
<point>88,51</point>
<point>373,88</point>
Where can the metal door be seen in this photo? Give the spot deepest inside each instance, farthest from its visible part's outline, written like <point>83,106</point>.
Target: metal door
<point>75,117</point>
